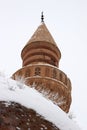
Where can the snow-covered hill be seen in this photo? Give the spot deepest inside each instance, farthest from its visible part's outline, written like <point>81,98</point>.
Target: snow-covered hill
<point>16,91</point>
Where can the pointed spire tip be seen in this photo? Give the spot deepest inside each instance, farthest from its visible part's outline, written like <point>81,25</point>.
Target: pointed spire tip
<point>42,17</point>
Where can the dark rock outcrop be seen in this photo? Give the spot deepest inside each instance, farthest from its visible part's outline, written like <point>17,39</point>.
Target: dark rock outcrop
<point>14,116</point>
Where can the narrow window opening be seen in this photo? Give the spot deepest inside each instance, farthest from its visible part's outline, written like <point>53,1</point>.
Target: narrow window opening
<point>37,71</point>
<point>54,73</point>
<point>27,73</point>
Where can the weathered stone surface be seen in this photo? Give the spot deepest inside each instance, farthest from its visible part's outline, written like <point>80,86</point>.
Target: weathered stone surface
<point>40,66</point>
<point>14,116</point>
<point>42,33</point>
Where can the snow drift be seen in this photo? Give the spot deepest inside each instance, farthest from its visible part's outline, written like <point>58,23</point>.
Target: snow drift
<point>16,91</point>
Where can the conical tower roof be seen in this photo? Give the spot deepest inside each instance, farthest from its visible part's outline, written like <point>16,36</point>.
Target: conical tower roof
<point>41,43</point>
<point>42,34</point>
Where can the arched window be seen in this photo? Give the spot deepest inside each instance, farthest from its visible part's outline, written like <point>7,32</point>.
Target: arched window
<point>54,73</point>
<point>47,70</point>
<point>37,71</point>
<point>60,76</point>
<point>27,73</point>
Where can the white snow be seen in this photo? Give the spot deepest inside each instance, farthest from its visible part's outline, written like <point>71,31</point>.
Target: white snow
<point>11,90</point>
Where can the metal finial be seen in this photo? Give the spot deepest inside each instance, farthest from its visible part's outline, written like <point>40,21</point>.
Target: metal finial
<point>42,17</point>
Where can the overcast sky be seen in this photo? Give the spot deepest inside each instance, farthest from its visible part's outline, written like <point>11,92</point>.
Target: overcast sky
<point>67,22</point>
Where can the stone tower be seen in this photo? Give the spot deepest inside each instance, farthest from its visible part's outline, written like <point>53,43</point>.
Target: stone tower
<point>40,68</point>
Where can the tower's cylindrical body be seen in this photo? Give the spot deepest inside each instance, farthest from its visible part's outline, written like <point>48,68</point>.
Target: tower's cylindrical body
<point>40,68</point>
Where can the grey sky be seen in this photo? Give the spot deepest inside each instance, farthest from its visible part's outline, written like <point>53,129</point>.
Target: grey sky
<point>67,22</point>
